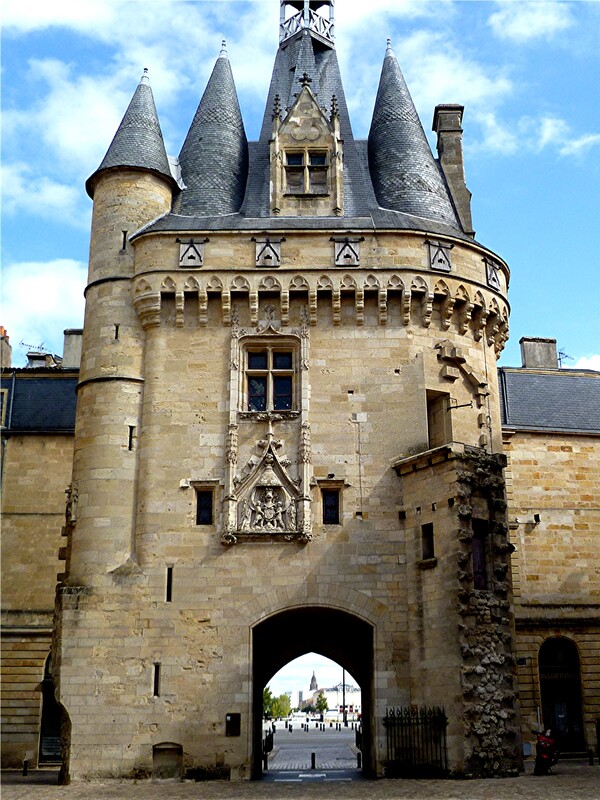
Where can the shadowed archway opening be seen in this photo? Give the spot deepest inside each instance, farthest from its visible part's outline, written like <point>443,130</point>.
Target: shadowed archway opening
<point>560,685</point>
<point>338,635</point>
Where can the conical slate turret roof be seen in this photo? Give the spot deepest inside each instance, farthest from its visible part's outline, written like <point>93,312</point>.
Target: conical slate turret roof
<point>138,141</point>
<point>405,174</point>
<point>214,156</point>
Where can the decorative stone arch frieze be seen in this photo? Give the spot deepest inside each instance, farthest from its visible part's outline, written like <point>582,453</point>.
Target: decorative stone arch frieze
<point>461,306</point>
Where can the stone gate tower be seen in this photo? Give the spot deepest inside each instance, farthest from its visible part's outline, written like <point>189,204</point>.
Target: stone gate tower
<point>288,431</point>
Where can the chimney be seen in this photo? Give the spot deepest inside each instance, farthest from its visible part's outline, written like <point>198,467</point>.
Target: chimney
<point>72,348</point>
<point>447,121</point>
<point>538,353</point>
<point>5,348</point>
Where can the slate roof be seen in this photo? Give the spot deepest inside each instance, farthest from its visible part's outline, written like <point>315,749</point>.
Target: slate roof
<point>138,141</point>
<point>214,156</point>
<point>414,197</point>
<point>43,400</point>
<point>558,400</point>
<point>405,175</point>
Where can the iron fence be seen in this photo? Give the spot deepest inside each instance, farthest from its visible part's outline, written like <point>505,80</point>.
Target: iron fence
<point>416,742</point>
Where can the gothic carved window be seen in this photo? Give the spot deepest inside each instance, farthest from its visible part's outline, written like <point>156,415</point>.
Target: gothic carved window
<point>306,172</point>
<point>270,382</point>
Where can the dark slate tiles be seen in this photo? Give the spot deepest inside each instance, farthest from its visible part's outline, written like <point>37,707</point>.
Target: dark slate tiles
<point>40,402</point>
<point>562,400</point>
<point>214,156</point>
<point>138,141</point>
<point>404,172</point>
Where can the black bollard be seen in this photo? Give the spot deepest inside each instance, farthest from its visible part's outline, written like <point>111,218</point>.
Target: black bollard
<point>265,761</point>
<point>359,760</point>
<point>313,760</point>
<point>591,757</point>
<point>25,766</point>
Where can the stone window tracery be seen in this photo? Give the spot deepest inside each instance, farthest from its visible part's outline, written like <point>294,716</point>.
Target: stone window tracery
<point>270,382</point>
<point>306,172</point>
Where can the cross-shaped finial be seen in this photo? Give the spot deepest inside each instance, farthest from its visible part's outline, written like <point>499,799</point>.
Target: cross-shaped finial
<point>305,80</point>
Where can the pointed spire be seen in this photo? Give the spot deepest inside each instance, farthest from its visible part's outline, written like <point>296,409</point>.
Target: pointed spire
<point>405,174</point>
<point>214,156</point>
<point>138,141</point>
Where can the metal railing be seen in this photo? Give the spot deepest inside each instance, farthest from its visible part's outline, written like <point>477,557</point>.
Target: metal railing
<point>416,742</point>
<point>317,23</point>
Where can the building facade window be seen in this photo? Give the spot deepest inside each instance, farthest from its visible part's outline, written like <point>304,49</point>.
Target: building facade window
<point>331,506</point>
<point>204,507</point>
<point>427,543</point>
<point>270,379</point>
<point>306,172</point>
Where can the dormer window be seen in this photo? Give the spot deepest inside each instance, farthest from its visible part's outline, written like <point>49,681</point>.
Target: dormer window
<point>306,172</point>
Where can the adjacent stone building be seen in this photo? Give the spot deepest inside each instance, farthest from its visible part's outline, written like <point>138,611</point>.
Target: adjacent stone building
<point>289,436</point>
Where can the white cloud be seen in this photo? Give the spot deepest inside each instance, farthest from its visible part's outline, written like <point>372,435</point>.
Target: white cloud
<point>524,21</point>
<point>588,362</point>
<point>577,147</point>
<point>39,14</point>
<point>24,191</point>
<point>39,300</point>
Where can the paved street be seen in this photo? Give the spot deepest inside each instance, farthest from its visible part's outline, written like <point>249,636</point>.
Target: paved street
<point>335,776</point>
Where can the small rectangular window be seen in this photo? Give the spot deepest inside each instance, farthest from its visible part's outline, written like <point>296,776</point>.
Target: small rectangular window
<point>270,380</point>
<point>204,507</point>
<point>156,681</point>
<point>331,506</point>
<point>427,547</point>
<point>257,393</point>
<point>318,159</point>
<point>295,159</point>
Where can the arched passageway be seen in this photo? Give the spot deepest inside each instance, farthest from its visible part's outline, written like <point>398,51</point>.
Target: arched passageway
<point>338,635</point>
<point>560,686</point>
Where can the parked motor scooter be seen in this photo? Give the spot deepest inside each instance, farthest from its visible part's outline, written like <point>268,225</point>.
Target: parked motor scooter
<point>546,753</point>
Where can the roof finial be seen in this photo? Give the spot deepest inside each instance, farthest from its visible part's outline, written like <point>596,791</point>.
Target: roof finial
<point>305,80</point>
<point>388,49</point>
<point>223,53</point>
<point>144,79</point>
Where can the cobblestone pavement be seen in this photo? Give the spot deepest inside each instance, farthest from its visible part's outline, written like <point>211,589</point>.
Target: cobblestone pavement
<point>571,781</point>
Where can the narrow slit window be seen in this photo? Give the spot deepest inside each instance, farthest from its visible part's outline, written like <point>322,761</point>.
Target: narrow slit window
<point>204,507</point>
<point>331,506</point>
<point>169,585</point>
<point>124,242</point>
<point>116,332</point>
<point>156,680</point>
<point>131,437</point>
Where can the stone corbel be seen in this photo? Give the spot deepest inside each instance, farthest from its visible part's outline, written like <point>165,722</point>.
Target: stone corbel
<point>285,306</point>
<point>147,306</point>
<point>253,301</point>
<point>447,311</point>
<point>202,308</point>
<point>336,306</point>
<point>406,301</point>
<point>359,306</point>
<point>427,309</point>
<point>226,306</point>
<point>312,306</point>
<point>382,306</point>
<point>179,309</point>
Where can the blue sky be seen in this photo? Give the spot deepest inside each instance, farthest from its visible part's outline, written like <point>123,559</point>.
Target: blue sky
<point>526,72</point>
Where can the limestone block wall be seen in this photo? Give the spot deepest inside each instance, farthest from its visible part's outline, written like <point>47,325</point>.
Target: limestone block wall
<point>556,561</point>
<point>151,664</point>
<point>37,470</point>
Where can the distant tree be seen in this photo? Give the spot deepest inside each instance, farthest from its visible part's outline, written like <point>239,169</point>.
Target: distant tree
<point>309,708</point>
<point>267,702</point>
<point>281,706</point>
<point>321,704</point>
